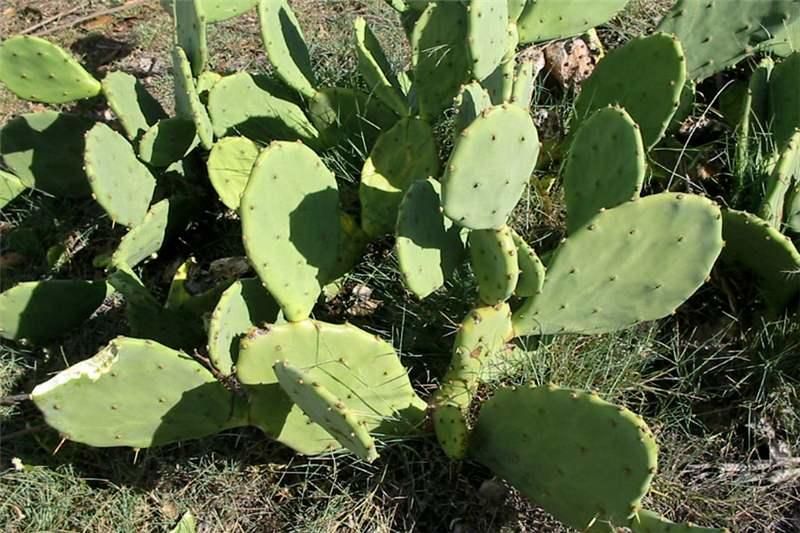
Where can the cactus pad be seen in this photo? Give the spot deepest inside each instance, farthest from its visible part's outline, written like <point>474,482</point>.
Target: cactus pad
<point>360,369</point>
<point>135,108</point>
<point>531,269</point>
<point>489,168</point>
<point>168,141</point>
<point>352,242</point>
<point>190,34</point>
<point>650,522</point>
<point>342,114</point>
<point>10,187</point>
<point>286,46</point>
<point>145,239</point>
<point>137,393</point>
<point>27,309</point>
<point>120,183</point>
<point>402,155</point>
<point>582,459</point>
<point>376,69</point>
<point>290,217</point>
<point>37,70</point>
<point>784,100</point>
<point>242,306</point>
<point>609,275</point>
<point>493,256</point>
<point>229,166</point>
<point>487,34</point>
<point>651,97</point>
<point>524,83</point>
<point>45,151</point>
<point>792,208</point>
<point>187,101</point>
<point>451,431</point>
<point>429,246</point>
<point>786,172</point>
<point>219,10</point>
<point>605,166</point>
<point>546,20</point>
<point>326,410</point>
<point>470,103</point>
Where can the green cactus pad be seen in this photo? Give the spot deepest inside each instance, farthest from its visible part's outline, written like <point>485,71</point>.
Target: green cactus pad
<point>45,151</point>
<point>290,218</point>
<point>605,166</point>
<point>137,393</point>
<point>120,183</point>
<point>376,69</point>
<point>546,20</point>
<point>439,56</point>
<point>489,168</point>
<point>35,69</point>
<point>402,155</point>
<point>353,365</point>
<point>168,141</point>
<point>145,239</point>
<point>650,522</point>
<point>610,274</point>
<point>651,97</point>
<point>135,108</point>
<point>716,36</point>
<point>452,431</point>
<point>229,166</point>
<point>758,247</point>
<point>784,100</point>
<point>531,269</point>
<point>786,172</point>
<point>190,34</point>
<point>242,306</point>
<point>349,115</point>
<point>187,101</point>
<point>27,310</point>
<point>352,242</point>
<point>326,410</point>
<point>219,10</point>
<point>205,83</point>
<point>581,458</point>
<point>487,33</point>
<point>792,208</point>
<point>253,106</point>
<point>10,187</point>
<point>286,46</point>
<point>470,103</point>
<point>524,84</point>
<point>429,246</point>
<point>500,83</point>
<point>493,256</point>
<point>515,9</point>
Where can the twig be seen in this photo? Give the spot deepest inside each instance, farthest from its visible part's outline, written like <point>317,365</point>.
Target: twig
<point>14,399</point>
<point>48,20</point>
<point>94,15</point>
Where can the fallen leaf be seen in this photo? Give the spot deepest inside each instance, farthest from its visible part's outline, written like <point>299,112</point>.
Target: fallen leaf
<point>98,22</point>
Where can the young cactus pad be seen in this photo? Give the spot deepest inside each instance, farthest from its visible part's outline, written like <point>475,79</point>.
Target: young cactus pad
<point>429,246</point>
<point>487,33</point>
<point>10,187</point>
<point>290,225</point>
<point>650,522</point>
<point>326,410</point>
<point>546,20</point>
<point>219,10</point>
<point>376,69</point>
<point>493,256</point>
<point>784,101</point>
<point>452,431</point>
<point>168,141</point>
<point>605,166</point>
<point>190,33</point>
<point>137,393</point>
<point>489,168</point>
<point>187,100</point>
<point>786,172</point>
<point>135,108</point>
<point>40,311</point>
<point>401,156</point>
<point>610,274</point>
<point>286,46</point>
<point>582,459</point>
<point>651,97</point>
<point>531,269</point>
<point>37,70</point>
<point>470,103</point>
<point>229,166</point>
<point>145,239</point>
<point>525,82</point>
<point>360,369</point>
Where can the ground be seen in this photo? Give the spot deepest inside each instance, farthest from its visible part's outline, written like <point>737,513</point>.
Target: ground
<point>721,393</point>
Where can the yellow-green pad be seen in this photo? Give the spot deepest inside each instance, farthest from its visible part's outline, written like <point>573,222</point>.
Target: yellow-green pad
<point>360,368</point>
<point>45,151</point>
<point>40,311</point>
<point>493,256</point>
<point>187,524</point>
<point>120,183</point>
<point>286,46</point>
<point>489,168</point>
<point>545,20</point>
<point>402,155</point>
<point>187,101</point>
<point>582,459</point>
<point>487,32</point>
<point>531,269</point>
<point>651,97</point>
<point>524,83</point>
<point>784,101</point>
<point>470,103</point>
<point>145,239</point>
<point>135,108</point>
<point>605,166</point>
<point>349,115</point>
<point>205,82</point>
<point>219,10</point>
<point>610,274</point>
<point>786,172</point>
<point>376,69</point>
<point>10,187</point>
<point>168,141</point>
<point>229,166</point>
<point>792,209</point>
<point>290,224</point>
<point>243,305</point>
<point>452,431</point>
<point>137,393</point>
<point>190,33</point>
<point>650,522</point>
<point>429,246</point>
<point>35,69</point>
<point>326,410</point>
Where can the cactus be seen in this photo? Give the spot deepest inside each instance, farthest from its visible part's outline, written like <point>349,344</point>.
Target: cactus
<point>352,242</point>
<point>294,197</point>
<point>120,183</point>
<point>546,20</point>
<point>792,208</point>
<point>190,34</point>
<point>493,256</point>
<point>531,269</point>
<point>326,410</point>
<point>786,171</point>
<point>490,165</point>
<point>784,102</point>
<point>471,101</point>
<point>135,108</point>
<point>650,522</point>
<point>452,431</point>
<point>10,187</point>
<point>359,368</point>
<point>101,401</point>
<point>27,309</point>
<point>187,101</point>
<point>205,83</point>
<point>45,151</point>
<point>144,239</point>
<point>168,141</point>
<point>651,97</point>
<point>187,524</point>
<point>286,46</point>
<point>401,156</point>
<point>601,277</point>
<point>37,70</point>
<point>349,115</point>
<point>500,83</point>
<point>524,83</point>
<point>229,166</point>
<point>487,33</point>
<point>582,459</point>
<point>376,70</point>
<point>219,10</point>
<point>243,305</point>
<point>605,166</point>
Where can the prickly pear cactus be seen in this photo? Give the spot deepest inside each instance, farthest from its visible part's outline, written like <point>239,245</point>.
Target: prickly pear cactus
<point>286,46</point>
<point>524,83</point>
<point>786,172</point>
<point>452,431</point>
<point>343,115</point>
<point>190,33</point>
<point>10,187</point>
<point>487,32</point>
<point>220,10</point>
<point>229,166</point>
<point>531,269</point>
<point>546,20</point>
<point>784,102</point>
<point>493,256</point>
<point>376,69</point>
<point>168,141</point>
<point>470,103</point>
<point>135,108</point>
<point>650,522</point>
<point>144,239</point>
<point>187,100</point>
